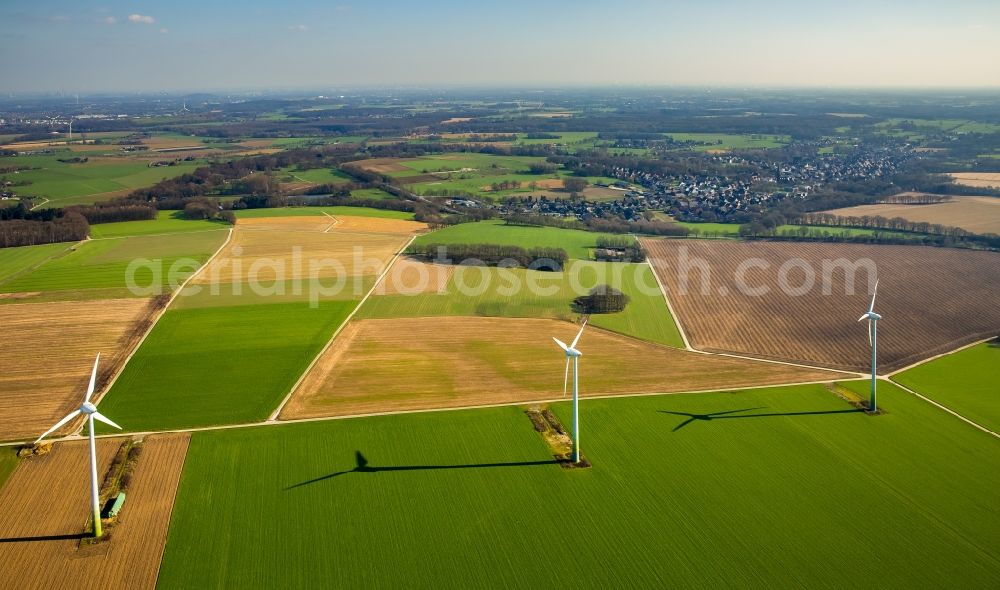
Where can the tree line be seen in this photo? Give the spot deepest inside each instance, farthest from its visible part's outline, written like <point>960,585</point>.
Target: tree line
<point>552,259</point>
<point>610,225</point>
<point>70,227</point>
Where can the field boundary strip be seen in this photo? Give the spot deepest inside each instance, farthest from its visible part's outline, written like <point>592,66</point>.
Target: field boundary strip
<point>155,321</point>
<point>274,415</point>
<point>173,233</point>
<point>551,400</point>
<point>942,407</point>
<point>670,308</point>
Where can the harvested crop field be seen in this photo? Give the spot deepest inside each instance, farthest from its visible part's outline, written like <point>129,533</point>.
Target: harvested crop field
<point>410,277</point>
<point>977,179</point>
<point>419,363</point>
<point>285,248</point>
<point>382,165</point>
<point>932,299</point>
<point>44,511</point>
<point>980,215</point>
<point>50,350</point>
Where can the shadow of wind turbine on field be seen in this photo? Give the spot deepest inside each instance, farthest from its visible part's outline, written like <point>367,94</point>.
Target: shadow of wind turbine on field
<point>362,466</point>
<point>66,537</point>
<point>724,415</point>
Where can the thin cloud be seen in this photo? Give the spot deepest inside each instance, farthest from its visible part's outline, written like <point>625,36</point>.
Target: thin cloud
<point>109,20</point>
<point>141,19</point>
<point>164,30</point>
<point>298,28</point>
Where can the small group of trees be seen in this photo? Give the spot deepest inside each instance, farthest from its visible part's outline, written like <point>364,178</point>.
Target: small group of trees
<point>552,259</point>
<point>207,209</point>
<point>70,227</point>
<point>574,184</point>
<point>114,211</point>
<point>601,299</point>
<point>541,168</point>
<point>505,185</point>
<point>618,249</point>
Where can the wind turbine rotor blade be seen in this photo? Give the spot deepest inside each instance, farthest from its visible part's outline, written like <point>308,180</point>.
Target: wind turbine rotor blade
<point>561,344</point>
<point>580,333</point>
<point>871,307</point>
<point>566,378</point>
<point>871,327</point>
<point>59,424</point>
<point>862,317</point>
<point>93,379</point>
<point>101,417</point>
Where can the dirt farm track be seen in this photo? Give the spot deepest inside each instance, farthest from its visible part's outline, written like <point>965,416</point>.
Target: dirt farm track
<point>932,300</point>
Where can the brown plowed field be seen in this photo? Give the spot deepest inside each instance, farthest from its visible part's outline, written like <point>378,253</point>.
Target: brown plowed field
<point>410,277</point>
<point>979,215</point>
<point>977,179</point>
<point>932,300</point>
<point>270,250</point>
<point>49,496</point>
<point>419,363</point>
<point>383,165</point>
<point>49,350</point>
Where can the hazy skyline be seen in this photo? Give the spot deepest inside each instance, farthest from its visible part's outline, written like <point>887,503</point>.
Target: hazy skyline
<point>185,45</point>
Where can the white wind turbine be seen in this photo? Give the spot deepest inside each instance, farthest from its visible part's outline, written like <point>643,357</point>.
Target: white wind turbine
<point>90,410</point>
<point>574,354</point>
<point>873,319</point>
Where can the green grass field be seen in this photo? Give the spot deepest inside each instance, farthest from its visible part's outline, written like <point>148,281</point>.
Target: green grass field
<point>784,487</point>
<point>165,222</point>
<point>521,293</point>
<point>304,211</point>
<point>475,174</point>
<point>220,365</point>
<point>78,183</point>
<point>320,176</point>
<point>726,141</point>
<point>577,243</point>
<point>371,193</point>
<point>14,261</point>
<point>101,266</point>
<point>965,381</point>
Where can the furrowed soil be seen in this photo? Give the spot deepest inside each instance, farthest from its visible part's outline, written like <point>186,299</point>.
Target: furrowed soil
<point>44,510</point>
<point>49,353</point>
<point>932,300</point>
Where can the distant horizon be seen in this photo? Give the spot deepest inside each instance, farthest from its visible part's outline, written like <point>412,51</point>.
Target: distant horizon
<point>187,46</point>
<point>512,87</point>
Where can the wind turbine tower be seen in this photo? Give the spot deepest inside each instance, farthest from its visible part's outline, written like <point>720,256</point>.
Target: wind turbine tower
<point>573,354</point>
<point>90,410</point>
<point>873,319</point>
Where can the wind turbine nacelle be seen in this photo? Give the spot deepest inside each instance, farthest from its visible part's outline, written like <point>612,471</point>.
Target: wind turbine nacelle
<point>874,316</point>
<point>88,408</point>
<point>573,352</point>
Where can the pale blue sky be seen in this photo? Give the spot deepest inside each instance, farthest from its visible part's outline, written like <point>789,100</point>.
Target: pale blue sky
<point>82,46</point>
